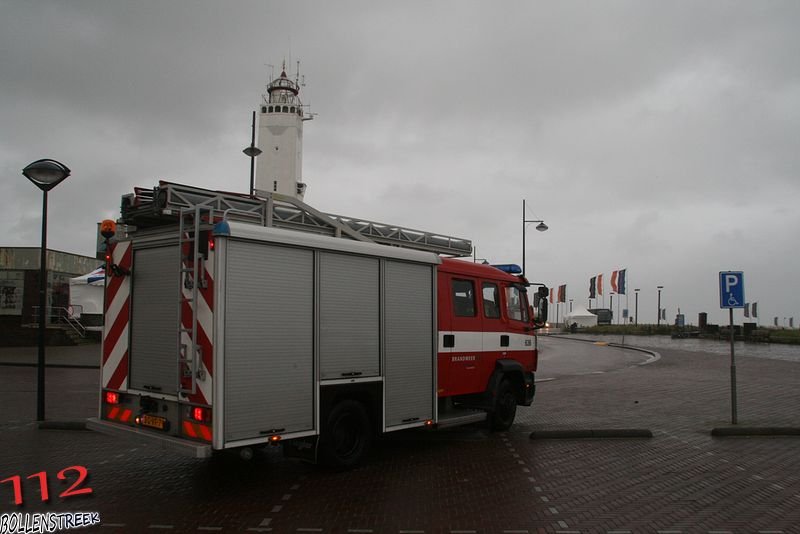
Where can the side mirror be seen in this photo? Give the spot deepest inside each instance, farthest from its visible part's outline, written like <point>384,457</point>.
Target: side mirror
<point>540,303</point>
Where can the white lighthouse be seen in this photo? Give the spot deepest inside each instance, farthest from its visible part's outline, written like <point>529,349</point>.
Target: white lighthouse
<point>280,138</point>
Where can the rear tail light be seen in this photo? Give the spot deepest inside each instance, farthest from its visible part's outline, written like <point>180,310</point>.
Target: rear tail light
<point>112,397</point>
<point>202,415</point>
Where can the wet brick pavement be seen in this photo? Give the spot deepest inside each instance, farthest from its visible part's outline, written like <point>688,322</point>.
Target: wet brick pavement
<point>459,481</point>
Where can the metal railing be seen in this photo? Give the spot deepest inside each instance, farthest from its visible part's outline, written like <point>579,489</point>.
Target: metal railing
<point>60,317</point>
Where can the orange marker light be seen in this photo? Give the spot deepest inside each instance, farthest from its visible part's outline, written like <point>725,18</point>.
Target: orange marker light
<point>108,228</point>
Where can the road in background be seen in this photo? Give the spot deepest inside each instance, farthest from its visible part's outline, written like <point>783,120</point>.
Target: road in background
<point>559,359</point>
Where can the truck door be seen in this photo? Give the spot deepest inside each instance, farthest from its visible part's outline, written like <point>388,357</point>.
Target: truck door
<point>496,338</point>
<point>520,346</point>
<point>445,331</point>
<point>467,352</point>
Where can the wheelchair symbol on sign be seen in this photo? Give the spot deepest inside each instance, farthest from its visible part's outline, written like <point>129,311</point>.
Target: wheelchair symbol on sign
<point>732,301</point>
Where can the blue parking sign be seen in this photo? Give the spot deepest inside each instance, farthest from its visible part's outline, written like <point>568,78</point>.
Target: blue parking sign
<point>731,289</point>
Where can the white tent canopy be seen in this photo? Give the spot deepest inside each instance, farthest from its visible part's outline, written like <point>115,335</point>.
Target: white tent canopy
<point>581,317</point>
<point>86,293</point>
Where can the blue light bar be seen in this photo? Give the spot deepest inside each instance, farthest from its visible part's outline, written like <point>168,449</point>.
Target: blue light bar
<point>510,268</point>
<point>222,228</point>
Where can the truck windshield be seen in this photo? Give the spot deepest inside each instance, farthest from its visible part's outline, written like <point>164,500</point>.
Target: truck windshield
<point>516,304</point>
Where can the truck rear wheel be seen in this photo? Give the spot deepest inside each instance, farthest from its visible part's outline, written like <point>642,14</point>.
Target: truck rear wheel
<point>505,407</point>
<point>346,437</point>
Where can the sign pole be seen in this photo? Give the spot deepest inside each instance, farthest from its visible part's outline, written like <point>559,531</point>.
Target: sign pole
<point>731,295</point>
<point>733,374</point>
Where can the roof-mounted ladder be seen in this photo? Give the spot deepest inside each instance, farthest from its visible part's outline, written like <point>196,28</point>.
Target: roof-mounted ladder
<point>164,203</point>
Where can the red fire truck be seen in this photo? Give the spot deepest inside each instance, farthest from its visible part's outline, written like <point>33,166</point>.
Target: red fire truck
<point>235,321</point>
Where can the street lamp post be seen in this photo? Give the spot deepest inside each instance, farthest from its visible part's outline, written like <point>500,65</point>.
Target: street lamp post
<point>541,227</point>
<point>252,151</point>
<point>45,174</point>
<point>636,321</point>
<point>658,321</point>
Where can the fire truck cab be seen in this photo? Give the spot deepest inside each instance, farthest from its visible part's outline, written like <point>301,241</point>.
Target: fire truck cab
<point>487,348</point>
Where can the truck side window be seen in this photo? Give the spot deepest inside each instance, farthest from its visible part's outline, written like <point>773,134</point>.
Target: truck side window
<point>515,304</point>
<point>491,301</point>
<point>463,298</point>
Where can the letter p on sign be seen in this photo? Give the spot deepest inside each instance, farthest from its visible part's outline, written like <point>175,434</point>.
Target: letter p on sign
<point>731,289</point>
<point>730,281</point>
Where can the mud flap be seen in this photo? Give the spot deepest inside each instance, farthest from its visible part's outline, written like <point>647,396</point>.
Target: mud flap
<point>530,389</point>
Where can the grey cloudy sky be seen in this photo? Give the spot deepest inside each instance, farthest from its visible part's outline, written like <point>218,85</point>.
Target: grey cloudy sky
<point>661,137</point>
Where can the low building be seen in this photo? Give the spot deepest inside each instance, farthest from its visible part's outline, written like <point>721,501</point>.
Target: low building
<point>19,288</point>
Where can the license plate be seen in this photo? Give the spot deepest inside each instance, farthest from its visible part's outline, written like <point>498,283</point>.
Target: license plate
<point>153,422</point>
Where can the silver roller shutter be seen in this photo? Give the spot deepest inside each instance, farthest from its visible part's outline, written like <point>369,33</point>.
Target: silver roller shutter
<point>349,316</point>
<point>269,371</point>
<point>154,320</point>
<point>409,343</point>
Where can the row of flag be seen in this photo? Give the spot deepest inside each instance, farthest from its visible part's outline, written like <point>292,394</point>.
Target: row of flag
<point>558,296</point>
<point>751,310</point>
<point>791,322</point>
<point>618,284</point>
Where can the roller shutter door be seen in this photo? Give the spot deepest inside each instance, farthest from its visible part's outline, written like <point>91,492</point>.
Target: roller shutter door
<point>349,316</point>
<point>410,352</point>
<point>154,320</point>
<point>268,340</point>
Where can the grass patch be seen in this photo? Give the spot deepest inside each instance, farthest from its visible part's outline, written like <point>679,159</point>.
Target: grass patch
<point>789,337</point>
<point>768,335</point>
<point>630,330</point>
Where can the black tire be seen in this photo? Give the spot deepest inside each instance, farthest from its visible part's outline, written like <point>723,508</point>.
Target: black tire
<point>346,437</point>
<point>505,407</point>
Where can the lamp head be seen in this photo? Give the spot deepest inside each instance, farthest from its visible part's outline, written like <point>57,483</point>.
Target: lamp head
<point>46,173</point>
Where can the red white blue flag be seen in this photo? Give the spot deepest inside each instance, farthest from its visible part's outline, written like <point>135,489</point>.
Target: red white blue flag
<point>618,282</point>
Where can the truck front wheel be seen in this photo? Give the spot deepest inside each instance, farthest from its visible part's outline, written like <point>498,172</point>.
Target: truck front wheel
<point>346,437</point>
<point>505,407</point>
